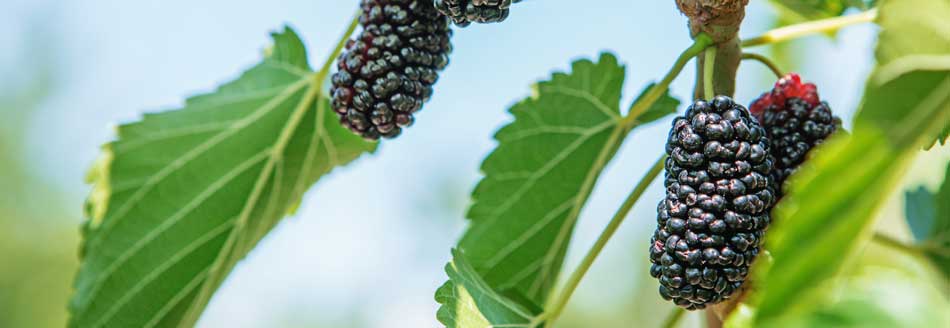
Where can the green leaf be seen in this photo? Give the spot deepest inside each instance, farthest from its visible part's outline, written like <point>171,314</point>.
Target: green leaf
<point>943,136</point>
<point>469,302</point>
<point>913,70</point>
<point>796,11</point>
<point>538,179</point>
<point>829,213</point>
<point>938,243</point>
<point>829,209</point>
<point>920,212</point>
<point>183,195</point>
<point>885,289</point>
<point>663,106</point>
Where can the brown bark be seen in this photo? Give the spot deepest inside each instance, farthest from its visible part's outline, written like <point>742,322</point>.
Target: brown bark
<point>720,19</point>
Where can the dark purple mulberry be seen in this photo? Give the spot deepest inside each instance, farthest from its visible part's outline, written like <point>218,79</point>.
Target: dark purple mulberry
<point>716,210</point>
<point>387,72</point>
<point>465,12</point>
<point>796,121</point>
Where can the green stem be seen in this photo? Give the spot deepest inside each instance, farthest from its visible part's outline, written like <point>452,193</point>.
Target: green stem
<point>765,61</point>
<point>575,279</point>
<point>325,69</point>
<point>813,27</point>
<point>674,318</point>
<point>709,63</point>
<point>896,244</point>
<point>641,105</point>
<point>700,43</point>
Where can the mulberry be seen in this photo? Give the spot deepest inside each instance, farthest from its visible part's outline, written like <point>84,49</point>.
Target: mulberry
<point>387,72</point>
<point>716,210</point>
<point>464,12</point>
<point>796,121</point>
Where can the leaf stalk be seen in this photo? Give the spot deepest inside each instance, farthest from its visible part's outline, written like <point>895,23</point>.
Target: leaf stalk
<point>700,43</point>
<point>321,75</point>
<point>674,318</point>
<point>896,244</point>
<point>558,304</point>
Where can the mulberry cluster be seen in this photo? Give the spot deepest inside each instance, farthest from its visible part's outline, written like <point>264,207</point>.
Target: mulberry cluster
<point>716,210</point>
<point>387,72</point>
<point>464,12</point>
<point>796,121</point>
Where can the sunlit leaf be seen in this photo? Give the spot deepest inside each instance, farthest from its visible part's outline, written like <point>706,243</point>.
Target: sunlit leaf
<point>913,70</point>
<point>183,195</point>
<point>829,213</point>
<point>887,288</point>
<point>467,301</point>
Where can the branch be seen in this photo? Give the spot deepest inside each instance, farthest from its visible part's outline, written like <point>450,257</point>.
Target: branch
<point>720,19</point>
<point>808,28</point>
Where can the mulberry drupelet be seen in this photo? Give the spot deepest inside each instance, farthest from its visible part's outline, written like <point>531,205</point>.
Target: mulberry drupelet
<point>387,72</point>
<point>796,122</point>
<point>465,12</point>
<point>718,198</point>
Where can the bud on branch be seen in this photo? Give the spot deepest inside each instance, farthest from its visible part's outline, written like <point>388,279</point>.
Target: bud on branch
<point>718,18</point>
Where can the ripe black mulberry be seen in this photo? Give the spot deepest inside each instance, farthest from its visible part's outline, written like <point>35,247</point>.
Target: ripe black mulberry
<point>796,121</point>
<point>465,12</point>
<point>718,198</point>
<point>387,72</point>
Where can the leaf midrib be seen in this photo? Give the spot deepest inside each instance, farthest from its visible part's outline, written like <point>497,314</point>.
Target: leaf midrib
<point>196,306</point>
<point>613,120</point>
<point>190,155</point>
<point>159,176</point>
<point>273,156</point>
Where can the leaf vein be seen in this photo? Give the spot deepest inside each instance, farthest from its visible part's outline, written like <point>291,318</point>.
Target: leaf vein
<point>212,188</point>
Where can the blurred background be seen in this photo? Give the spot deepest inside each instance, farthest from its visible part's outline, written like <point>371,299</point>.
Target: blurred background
<point>71,70</point>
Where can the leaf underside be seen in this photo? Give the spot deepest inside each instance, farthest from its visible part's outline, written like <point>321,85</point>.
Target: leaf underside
<point>536,182</point>
<point>181,196</point>
<point>469,302</point>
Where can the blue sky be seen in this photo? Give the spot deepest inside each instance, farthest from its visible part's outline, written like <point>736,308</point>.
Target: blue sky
<point>380,260</point>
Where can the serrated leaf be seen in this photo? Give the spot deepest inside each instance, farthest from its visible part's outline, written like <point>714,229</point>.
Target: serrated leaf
<point>539,177</point>
<point>829,213</point>
<point>663,106</point>
<point>183,195</point>
<point>941,137</point>
<point>913,68</point>
<point>467,301</point>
